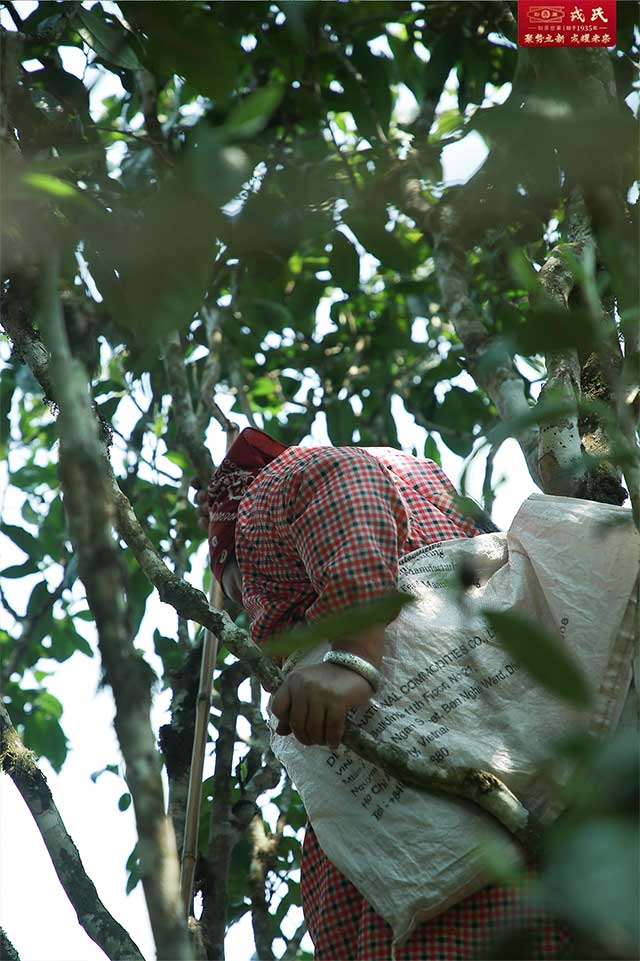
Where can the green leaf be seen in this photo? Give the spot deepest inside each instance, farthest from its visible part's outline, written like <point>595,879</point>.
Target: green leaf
<point>47,702</point>
<point>522,270</point>
<point>339,625</point>
<point>109,386</point>
<point>432,451</point>
<point>138,591</point>
<point>239,871</point>
<point>124,801</point>
<point>20,570</point>
<point>392,252</point>
<point>344,263</point>
<point>548,328</point>
<point>188,39</point>
<point>112,44</point>
<point>253,114</point>
<point>177,457</point>
<point>445,50</point>
<point>71,572</point>
<point>81,644</point>
<point>22,539</point>
<point>591,878</point>
<point>85,615</point>
<point>341,422</point>
<point>458,414</point>
<point>109,769</point>
<point>32,475</point>
<point>65,640</point>
<point>39,600</point>
<point>168,650</point>
<point>473,73</point>
<point>44,736</point>
<point>408,66</point>
<point>51,185</point>
<point>447,122</point>
<point>542,656</point>
<point>133,867</point>
<point>369,97</point>
<point>108,408</point>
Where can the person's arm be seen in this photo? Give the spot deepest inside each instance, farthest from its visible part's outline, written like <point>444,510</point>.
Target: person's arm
<point>347,522</point>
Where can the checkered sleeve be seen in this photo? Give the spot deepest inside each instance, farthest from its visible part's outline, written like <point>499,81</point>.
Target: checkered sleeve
<point>348,523</point>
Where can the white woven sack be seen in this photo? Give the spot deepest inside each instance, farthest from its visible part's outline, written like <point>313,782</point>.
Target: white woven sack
<point>452,695</point>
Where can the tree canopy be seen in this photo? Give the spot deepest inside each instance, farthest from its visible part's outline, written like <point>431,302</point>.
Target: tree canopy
<point>241,209</point>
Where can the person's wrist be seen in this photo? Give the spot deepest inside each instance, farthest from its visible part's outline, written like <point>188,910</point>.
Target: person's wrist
<point>357,665</point>
<point>368,645</point>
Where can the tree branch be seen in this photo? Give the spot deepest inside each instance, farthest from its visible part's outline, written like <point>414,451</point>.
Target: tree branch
<point>483,788</point>
<point>90,511</point>
<point>176,738</point>
<point>209,652</point>
<point>223,833</point>
<point>263,848</point>
<point>608,223</point>
<point>560,460</point>
<point>190,432</point>
<point>148,90</point>
<point>19,764</point>
<point>207,406</point>
<point>490,366</point>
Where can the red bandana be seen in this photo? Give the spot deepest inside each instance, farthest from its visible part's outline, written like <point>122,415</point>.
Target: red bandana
<point>248,455</point>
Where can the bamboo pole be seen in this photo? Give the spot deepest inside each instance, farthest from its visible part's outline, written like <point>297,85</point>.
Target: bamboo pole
<point>203,703</point>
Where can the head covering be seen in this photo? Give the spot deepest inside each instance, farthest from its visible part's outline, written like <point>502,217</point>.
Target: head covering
<point>248,455</point>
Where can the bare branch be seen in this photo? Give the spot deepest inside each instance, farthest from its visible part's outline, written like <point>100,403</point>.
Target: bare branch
<point>89,507</point>
<point>19,764</point>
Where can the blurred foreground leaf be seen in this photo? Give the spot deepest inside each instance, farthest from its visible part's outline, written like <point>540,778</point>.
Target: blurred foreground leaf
<point>342,624</point>
<point>541,655</point>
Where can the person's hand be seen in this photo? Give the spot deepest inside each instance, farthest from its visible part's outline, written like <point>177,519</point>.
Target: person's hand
<point>313,702</point>
<point>202,505</point>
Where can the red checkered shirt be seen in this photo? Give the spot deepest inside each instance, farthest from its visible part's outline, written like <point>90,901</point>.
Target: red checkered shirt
<point>323,528</point>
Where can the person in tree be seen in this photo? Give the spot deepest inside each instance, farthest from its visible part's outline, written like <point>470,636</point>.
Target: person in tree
<point>296,533</point>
